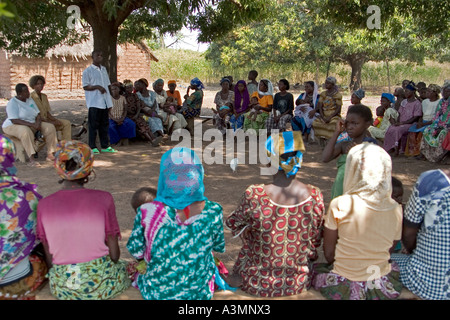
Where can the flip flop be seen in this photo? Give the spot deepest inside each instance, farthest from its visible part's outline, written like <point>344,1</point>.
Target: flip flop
<point>109,150</point>
<point>95,151</point>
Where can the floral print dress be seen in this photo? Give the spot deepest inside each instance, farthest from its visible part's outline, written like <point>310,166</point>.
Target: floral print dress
<point>180,263</point>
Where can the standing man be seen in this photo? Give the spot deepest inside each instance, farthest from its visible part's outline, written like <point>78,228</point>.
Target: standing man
<point>98,100</point>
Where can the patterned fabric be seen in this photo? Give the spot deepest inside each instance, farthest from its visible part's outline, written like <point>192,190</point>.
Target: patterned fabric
<point>286,142</point>
<point>26,288</point>
<point>196,82</point>
<point>18,204</point>
<point>440,124</point>
<point>237,122</point>
<point>222,122</point>
<point>180,180</point>
<point>280,125</point>
<point>330,103</point>
<point>80,152</point>
<point>192,105</point>
<point>426,272</point>
<point>335,287</point>
<point>134,106</point>
<point>99,279</point>
<point>182,266</point>
<point>280,243</point>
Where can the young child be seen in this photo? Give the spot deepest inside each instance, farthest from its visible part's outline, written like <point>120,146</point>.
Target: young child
<point>253,112</point>
<point>222,117</point>
<point>380,113</point>
<point>301,114</point>
<point>139,197</point>
<point>397,195</point>
<point>358,120</point>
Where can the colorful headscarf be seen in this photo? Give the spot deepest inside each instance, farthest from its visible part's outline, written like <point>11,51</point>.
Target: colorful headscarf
<point>288,141</point>
<point>180,180</point>
<point>196,82</point>
<point>144,81</point>
<point>360,93</point>
<point>171,82</point>
<point>80,152</point>
<point>17,212</point>
<point>388,96</point>
<point>157,81</point>
<point>368,175</point>
<point>7,156</point>
<point>238,97</point>
<point>331,79</point>
<point>225,80</point>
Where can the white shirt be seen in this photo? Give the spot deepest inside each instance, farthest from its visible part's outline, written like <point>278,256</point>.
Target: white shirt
<point>95,76</point>
<point>17,109</point>
<point>429,109</point>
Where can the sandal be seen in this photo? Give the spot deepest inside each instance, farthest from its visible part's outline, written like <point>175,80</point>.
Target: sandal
<point>109,150</point>
<point>95,151</point>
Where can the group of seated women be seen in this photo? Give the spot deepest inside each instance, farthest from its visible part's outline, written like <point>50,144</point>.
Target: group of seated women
<point>72,234</point>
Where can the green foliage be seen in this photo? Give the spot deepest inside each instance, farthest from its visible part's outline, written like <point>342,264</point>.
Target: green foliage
<point>7,9</point>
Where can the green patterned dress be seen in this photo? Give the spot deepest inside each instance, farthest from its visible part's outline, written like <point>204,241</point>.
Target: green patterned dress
<point>180,263</point>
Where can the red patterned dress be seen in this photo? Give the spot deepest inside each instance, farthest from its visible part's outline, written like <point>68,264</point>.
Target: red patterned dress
<point>279,242</point>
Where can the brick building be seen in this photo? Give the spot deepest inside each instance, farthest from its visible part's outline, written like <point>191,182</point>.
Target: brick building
<point>63,67</point>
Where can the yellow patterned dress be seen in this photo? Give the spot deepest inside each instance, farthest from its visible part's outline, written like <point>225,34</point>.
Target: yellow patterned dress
<point>330,103</point>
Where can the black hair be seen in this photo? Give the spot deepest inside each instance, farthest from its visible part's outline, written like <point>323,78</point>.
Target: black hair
<point>34,80</point>
<point>254,72</point>
<point>286,83</point>
<point>20,87</point>
<point>311,83</point>
<point>362,111</point>
<point>96,51</point>
<point>396,183</point>
<point>142,195</point>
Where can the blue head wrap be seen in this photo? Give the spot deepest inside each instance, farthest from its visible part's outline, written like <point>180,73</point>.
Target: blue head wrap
<point>388,96</point>
<point>288,141</point>
<point>196,82</point>
<point>180,180</point>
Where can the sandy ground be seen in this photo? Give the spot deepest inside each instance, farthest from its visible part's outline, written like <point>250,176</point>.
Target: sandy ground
<point>137,165</point>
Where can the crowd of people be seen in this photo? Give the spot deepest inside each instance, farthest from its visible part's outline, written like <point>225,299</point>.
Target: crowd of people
<point>372,246</point>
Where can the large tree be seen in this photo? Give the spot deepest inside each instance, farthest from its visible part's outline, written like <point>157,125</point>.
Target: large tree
<point>301,31</point>
<point>40,25</point>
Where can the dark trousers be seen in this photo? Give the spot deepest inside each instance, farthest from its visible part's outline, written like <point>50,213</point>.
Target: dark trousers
<point>98,121</point>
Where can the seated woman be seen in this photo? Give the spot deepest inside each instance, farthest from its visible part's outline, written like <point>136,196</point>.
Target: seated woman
<point>415,132</point>
<point>192,104</point>
<point>241,105</point>
<point>409,113</point>
<point>79,230</point>
<point>134,107</point>
<point>424,269</point>
<point>305,110</point>
<point>63,126</point>
<point>171,120</point>
<point>265,100</point>
<point>390,116</point>
<point>329,109</point>
<point>283,108</point>
<point>121,128</point>
<point>433,136</point>
<point>24,123</point>
<point>280,226</point>
<point>172,85</point>
<point>361,228</point>
<point>22,270</point>
<point>151,109</point>
<point>177,232</point>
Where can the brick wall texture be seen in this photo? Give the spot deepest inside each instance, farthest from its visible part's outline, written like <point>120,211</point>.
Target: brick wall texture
<point>63,74</point>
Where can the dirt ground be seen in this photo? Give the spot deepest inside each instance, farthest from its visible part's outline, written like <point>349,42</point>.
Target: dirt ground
<point>137,165</point>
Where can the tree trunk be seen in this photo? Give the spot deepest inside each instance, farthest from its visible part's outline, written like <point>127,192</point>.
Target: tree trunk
<point>105,40</point>
<point>388,75</point>
<point>356,62</point>
<point>317,71</point>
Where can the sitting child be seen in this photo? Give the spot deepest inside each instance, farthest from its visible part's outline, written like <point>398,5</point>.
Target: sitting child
<point>302,120</point>
<point>380,113</point>
<point>222,117</point>
<point>254,112</point>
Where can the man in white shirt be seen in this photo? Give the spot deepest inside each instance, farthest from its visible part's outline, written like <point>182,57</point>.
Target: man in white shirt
<point>24,120</point>
<point>95,83</point>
